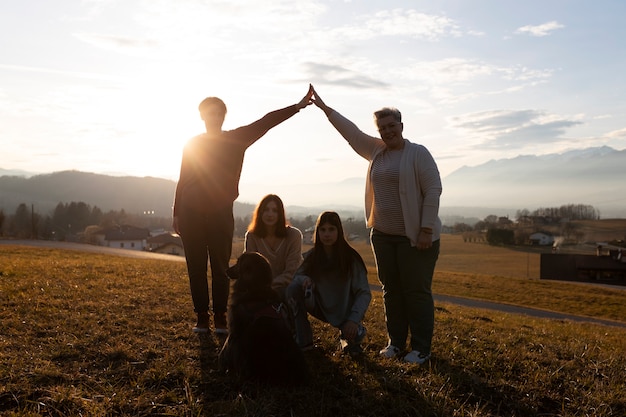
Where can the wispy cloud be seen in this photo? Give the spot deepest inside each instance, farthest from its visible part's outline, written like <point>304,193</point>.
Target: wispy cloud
<point>514,129</point>
<point>617,134</point>
<point>453,80</point>
<point>544,29</point>
<point>53,71</point>
<point>117,42</point>
<point>337,75</point>
<point>398,22</point>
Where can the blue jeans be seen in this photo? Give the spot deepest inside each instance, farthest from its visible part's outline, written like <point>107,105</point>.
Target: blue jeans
<point>406,275</point>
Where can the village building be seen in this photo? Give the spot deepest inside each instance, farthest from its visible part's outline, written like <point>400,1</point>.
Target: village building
<point>167,243</point>
<point>541,238</point>
<point>123,237</point>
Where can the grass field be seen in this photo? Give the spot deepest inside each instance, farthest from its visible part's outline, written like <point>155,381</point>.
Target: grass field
<point>93,335</point>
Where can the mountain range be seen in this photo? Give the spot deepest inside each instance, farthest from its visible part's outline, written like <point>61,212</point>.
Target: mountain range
<point>592,176</point>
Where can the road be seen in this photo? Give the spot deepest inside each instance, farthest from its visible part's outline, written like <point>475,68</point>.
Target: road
<point>466,302</point>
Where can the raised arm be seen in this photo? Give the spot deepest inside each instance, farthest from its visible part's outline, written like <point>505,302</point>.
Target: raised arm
<point>362,143</point>
<point>254,131</point>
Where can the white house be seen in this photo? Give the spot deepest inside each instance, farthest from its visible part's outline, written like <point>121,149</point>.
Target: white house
<point>125,237</point>
<point>166,243</point>
<point>541,239</point>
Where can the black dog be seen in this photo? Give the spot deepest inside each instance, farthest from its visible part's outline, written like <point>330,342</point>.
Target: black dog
<point>259,346</point>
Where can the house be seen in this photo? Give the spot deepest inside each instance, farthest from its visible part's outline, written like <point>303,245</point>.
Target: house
<point>308,235</point>
<point>607,269</point>
<point>168,243</point>
<point>541,238</point>
<point>124,237</point>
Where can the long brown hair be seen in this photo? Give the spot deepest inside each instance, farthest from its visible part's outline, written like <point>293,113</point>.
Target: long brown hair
<point>257,226</point>
<point>344,253</point>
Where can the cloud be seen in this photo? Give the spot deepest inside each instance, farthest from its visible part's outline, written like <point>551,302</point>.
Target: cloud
<point>398,22</point>
<point>117,42</point>
<point>544,29</point>
<point>64,73</point>
<point>411,23</point>
<point>453,80</point>
<point>617,134</point>
<point>513,129</point>
<point>337,75</point>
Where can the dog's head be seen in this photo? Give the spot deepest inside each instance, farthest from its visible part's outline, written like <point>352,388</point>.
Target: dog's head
<point>252,271</point>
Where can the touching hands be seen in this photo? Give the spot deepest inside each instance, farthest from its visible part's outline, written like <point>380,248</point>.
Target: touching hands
<point>319,102</point>
<point>306,100</point>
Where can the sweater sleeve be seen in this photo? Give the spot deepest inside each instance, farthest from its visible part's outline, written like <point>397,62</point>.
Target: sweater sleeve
<point>362,143</point>
<point>250,243</point>
<point>293,258</point>
<point>431,188</point>
<point>361,293</point>
<point>254,131</point>
<point>183,179</point>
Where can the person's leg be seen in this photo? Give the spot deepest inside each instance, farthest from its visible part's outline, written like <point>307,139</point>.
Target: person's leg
<point>295,299</point>
<point>416,272</point>
<point>193,235</point>
<point>220,245</point>
<point>385,249</point>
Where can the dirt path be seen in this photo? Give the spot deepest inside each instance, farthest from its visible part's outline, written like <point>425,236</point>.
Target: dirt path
<point>466,302</point>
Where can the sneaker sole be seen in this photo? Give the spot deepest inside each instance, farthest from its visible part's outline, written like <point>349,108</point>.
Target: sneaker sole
<point>387,356</point>
<point>418,362</point>
<point>200,330</point>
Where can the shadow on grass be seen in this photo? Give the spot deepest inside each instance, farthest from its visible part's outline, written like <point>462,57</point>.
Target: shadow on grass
<point>471,389</point>
<point>340,385</point>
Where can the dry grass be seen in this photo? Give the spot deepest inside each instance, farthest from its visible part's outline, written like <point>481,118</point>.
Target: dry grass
<point>92,335</point>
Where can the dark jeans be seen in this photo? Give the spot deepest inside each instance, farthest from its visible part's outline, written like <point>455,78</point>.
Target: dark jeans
<point>207,237</point>
<point>406,275</point>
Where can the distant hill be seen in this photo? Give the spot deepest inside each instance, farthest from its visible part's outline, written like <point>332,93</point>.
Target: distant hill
<point>133,194</point>
<point>593,176</point>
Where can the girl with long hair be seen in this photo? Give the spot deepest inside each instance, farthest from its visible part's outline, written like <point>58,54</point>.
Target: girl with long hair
<point>271,236</point>
<point>331,285</point>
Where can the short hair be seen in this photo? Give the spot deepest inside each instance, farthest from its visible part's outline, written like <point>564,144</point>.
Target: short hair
<point>257,227</point>
<point>212,102</point>
<point>388,111</point>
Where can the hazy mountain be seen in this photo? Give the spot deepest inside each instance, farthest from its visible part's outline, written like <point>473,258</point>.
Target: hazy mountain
<point>594,176</point>
<point>45,191</point>
<point>15,172</point>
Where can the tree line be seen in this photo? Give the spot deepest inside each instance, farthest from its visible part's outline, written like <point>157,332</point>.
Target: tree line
<point>69,220</point>
<point>496,230</point>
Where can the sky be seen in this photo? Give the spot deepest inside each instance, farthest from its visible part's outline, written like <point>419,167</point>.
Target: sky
<point>112,86</point>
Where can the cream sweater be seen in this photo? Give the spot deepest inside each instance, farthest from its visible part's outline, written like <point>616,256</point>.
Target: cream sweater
<point>285,259</point>
<point>420,183</point>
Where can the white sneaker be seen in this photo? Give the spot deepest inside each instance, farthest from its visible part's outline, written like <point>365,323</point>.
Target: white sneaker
<point>415,356</point>
<point>389,352</point>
